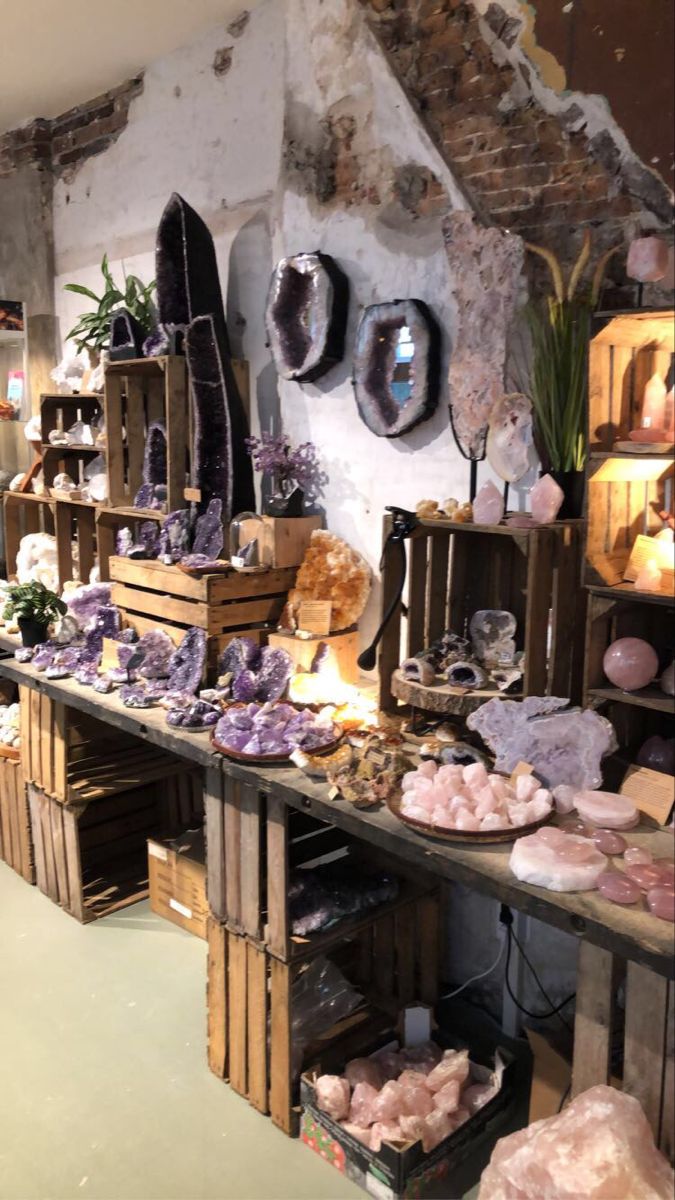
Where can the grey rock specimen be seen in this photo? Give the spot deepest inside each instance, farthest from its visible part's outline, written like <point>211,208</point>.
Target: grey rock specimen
<point>492,636</point>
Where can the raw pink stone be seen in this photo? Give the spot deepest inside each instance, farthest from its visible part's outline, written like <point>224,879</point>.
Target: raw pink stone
<point>647,875</point>
<point>357,1131</point>
<point>630,663</point>
<point>412,1078</point>
<point>388,1105</point>
<point>437,1126</point>
<point>510,436</point>
<point>365,1070</point>
<point>609,842</point>
<point>635,856</point>
<point>661,901</point>
<point>477,1096</point>
<point>546,497</point>
<point>520,521</point>
<point>618,888</point>
<point>488,507</point>
<point>384,1131</point>
<point>412,1128</point>
<point>332,1096</point>
<point>361,1107</point>
<point>416,1101</point>
<point>453,1065</point>
<point>390,1062</point>
<point>447,1097</point>
<point>608,810</point>
<point>647,259</point>
<point>600,1148</point>
<point>422,1058</point>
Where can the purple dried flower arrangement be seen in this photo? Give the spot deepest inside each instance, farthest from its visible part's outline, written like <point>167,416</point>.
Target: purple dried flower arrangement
<point>296,473</point>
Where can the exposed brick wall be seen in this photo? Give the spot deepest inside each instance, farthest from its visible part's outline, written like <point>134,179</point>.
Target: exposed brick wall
<point>537,174</point>
<point>63,143</point>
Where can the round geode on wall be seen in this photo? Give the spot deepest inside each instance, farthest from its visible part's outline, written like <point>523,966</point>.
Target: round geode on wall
<point>306,315</point>
<point>396,366</point>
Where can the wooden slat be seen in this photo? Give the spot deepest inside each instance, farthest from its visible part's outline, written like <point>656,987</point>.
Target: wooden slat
<point>215,844</point>
<point>666,1139</point>
<point>63,522</point>
<point>59,845</point>
<point>136,436</point>
<point>176,409</point>
<point>277,876</point>
<point>25,731</point>
<point>48,844</point>
<point>281,1067</point>
<point>439,555</point>
<point>428,943</point>
<point>20,798</point>
<point>250,869</point>
<point>256,1020</point>
<point>404,925</point>
<point>417,594</point>
<point>35,739</point>
<point>60,750</point>
<point>216,998</point>
<point>236,1012</point>
<point>596,982</point>
<point>13,840</point>
<point>73,864</point>
<point>85,524</point>
<point>232,835</point>
<point>38,844</point>
<point>114,438</point>
<point>645,1040</point>
<point>539,589</point>
<point>212,589</point>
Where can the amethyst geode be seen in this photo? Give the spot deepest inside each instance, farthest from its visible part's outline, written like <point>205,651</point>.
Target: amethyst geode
<point>85,601</point>
<point>152,492</point>
<point>209,540</point>
<point>396,366</point>
<point>126,336</point>
<point>186,664</point>
<point>174,536</point>
<point>306,315</point>
<point>255,673</point>
<point>157,650</point>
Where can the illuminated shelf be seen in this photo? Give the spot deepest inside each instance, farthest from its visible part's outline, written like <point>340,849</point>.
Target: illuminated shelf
<point>628,592</point>
<point>648,697</point>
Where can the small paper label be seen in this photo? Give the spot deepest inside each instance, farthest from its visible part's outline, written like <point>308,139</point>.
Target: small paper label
<point>521,768</point>
<point>416,1024</point>
<point>648,549</point>
<point>192,495</point>
<point>159,852</point>
<point>314,616</point>
<point>651,791</point>
<point>180,908</point>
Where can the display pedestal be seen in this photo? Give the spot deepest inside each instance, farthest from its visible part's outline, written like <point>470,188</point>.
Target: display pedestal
<point>287,538</point>
<point>343,651</point>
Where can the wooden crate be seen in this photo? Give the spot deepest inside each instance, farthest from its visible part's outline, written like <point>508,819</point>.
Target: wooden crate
<point>61,412</point>
<point>138,392</point>
<point>109,522</point>
<point>16,843</point>
<point>614,613</point>
<point>72,523</point>
<point>74,758</point>
<point>177,880</point>
<point>627,349</point>
<point>646,1028</point>
<point>91,857</point>
<point>225,606</point>
<point>625,494</point>
<point>454,570</point>
<point>24,513</point>
<point>256,841</point>
<point>287,538</point>
<point>343,651</point>
<point>392,962</point>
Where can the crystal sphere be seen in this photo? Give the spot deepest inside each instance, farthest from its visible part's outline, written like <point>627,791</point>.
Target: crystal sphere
<point>661,901</point>
<point>630,663</point>
<point>658,753</point>
<point>609,842</point>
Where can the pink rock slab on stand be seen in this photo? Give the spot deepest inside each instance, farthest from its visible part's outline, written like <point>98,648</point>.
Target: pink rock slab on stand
<point>488,507</point>
<point>546,499</point>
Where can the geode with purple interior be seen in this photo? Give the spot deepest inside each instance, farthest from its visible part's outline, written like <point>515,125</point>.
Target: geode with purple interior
<point>85,601</point>
<point>466,675</point>
<point>276,667</point>
<point>396,366</point>
<point>174,536</point>
<point>126,336</point>
<point>241,652</point>
<point>306,315</point>
<point>209,540</point>
<point>151,496</point>
<point>157,650</point>
<point>154,467</point>
<point>186,665</point>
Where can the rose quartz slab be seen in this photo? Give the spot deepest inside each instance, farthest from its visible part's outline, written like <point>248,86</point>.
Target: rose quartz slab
<point>609,842</point>
<point>630,663</point>
<point>600,1147</point>
<point>546,499</point>
<point>661,901</point>
<point>608,810</point>
<point>618,888</point>
<point>534,861</point>
<point>637,856</point>
<point>647,259</point>
<point>488,507</point>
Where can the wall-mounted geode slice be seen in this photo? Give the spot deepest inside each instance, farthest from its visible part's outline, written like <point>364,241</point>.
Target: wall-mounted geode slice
<point>126,336</point>
<point>306,315</point>
<point>396,366</point>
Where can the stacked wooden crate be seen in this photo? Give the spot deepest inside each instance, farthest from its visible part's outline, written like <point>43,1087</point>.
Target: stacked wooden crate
<point>389,954</point>
<point>95,797</point>
<point>16,843</point>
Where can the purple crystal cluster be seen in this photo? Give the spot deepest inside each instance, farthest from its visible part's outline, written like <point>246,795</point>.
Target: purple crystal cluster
<point>197,716</point>
<point>186,665</point>
<point>256,729</point>
<point>174,537</point>
<point>274,456</point>
<point>152,492</point>
<point>252,672</point>
<point>320,897</point>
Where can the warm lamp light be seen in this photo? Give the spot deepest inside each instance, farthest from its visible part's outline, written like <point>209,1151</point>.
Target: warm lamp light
<point>632,470</point>
<point>353,708</point>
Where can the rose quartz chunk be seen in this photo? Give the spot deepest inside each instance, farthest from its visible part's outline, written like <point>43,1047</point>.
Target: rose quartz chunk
<point>635,856</point>
<point>453,1066</point>
<point>618,888</point>
<point>630,663</point>
<point>606,809</point>
<point>365,1070</point>
<point>447,1097</point>
<point>534,861</point>
<point>546,497</point>
<point>390,1062</point>
<point>332,1096</point>
<point>661,901</point>
<point>357,1131</point>
<point>387,1105</point>
<point>646,875</point>
<point>564,795</point>
<point>413,1078</point>
<point>412,1128</point>
<point>422,1058</point>
<point>477,1096</point>
<point>437,1126</point>
<point>647,259</point>
<point>609,842</point>
<point>361,1107</point>
<point>384,1131</point>
<point>598,1148</point>
<point>488,507</point>
<point>416,1101</point>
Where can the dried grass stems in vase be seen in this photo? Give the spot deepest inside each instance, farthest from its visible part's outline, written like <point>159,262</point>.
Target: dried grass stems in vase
<point>559,329</point>
<point>294,475</point>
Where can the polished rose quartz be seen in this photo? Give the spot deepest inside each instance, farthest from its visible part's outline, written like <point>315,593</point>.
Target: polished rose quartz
<point>648,875</point>
<point>661,901</point>
<point>630,663</point>
<point>609,842</point>
<point>618,888</point>
<point>637,856</point>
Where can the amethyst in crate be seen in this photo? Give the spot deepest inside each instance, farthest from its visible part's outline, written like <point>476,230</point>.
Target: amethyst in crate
<point>274,673</point>
<point>186,665</point>
<point>148,536</point>
<point>155,457</point>
<point>174,537</point>
<point>208,539</point>
<point>157,648</point>
<point>201,562</point>
<point>152,496</point>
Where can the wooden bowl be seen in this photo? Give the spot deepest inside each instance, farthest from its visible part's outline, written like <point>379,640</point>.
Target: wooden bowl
<point>271,759</point>
<point>468,837</point>
<point>224,568</point>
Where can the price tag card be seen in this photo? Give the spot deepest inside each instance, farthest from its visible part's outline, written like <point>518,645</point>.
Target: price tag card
<point>652,792</point>
<point>314,616</point>
<point>521,768</point>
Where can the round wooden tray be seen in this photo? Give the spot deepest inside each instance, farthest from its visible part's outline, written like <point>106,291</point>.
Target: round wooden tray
<point>460,836</point>
<point>444,699</point>
<point>224,568</point>
<point>271,760</point>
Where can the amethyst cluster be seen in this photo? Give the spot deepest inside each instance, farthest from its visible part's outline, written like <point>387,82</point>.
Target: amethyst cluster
<point>197,716</point>
<point>320,897</point>
<point>272,729</point>
<point>252,672</point>
<point>152,492</point>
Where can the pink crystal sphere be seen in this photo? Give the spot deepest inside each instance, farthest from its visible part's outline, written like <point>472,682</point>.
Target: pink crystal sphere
<point>609,842</point>
<point>635,856</point>
<point>546,498</point>
<point>661,901</point>
<point>630,663</point>
<point>618,888</point>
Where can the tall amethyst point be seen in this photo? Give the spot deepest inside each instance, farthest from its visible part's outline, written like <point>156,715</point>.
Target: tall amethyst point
<point>154,459</point>
<point>186,665</point>
<point>185,266</point>
<point>174,537</point>
<point>148,536</point>
<point>209,540</point>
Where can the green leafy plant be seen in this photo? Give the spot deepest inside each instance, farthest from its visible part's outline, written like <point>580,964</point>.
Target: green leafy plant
<point>32,602</point>
<point>92,331</point>
<point>559,329</point>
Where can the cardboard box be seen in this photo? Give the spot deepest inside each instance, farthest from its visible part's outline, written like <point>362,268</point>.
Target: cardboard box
<point>177,881</point>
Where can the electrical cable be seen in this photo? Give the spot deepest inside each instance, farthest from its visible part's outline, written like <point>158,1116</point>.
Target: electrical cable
<point>475,978</point>
<point>555,1009</point>
<point>507,982</point>
<point>564,1097</point>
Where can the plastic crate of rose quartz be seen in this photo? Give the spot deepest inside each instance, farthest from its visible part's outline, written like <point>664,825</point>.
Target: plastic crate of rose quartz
<point>486,1083</point>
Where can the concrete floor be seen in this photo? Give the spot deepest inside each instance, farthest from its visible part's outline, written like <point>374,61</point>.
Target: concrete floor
<point>105,1091</point>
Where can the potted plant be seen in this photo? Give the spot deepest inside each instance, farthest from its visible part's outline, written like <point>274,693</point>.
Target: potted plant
<point>293,476</point>
<point>34,607</point>
<point>92,331</point>
<point>560,328</point>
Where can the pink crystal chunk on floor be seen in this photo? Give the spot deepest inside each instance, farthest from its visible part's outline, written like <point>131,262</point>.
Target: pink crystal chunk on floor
<point>635,856</point>
<point>546,498</point>
<point>609,842</point>
<point>647,259</point>
<point>661,901</point>
<point>599,1147</point>
<point>488,507</point>
<point>630,663</point>
<point>618,888</point>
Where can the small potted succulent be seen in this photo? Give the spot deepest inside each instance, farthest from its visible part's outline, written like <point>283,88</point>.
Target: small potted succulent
<point>293,476</point>
<point>34,608</point>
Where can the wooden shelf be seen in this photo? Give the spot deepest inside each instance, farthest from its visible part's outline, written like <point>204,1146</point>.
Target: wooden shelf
<point>649,697</point>
<point>629,455</point>
<point>443,698</point>
<point>71,448</point>
<point>628,592</point>
<point>513,531</point>
<point>142,366</point>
